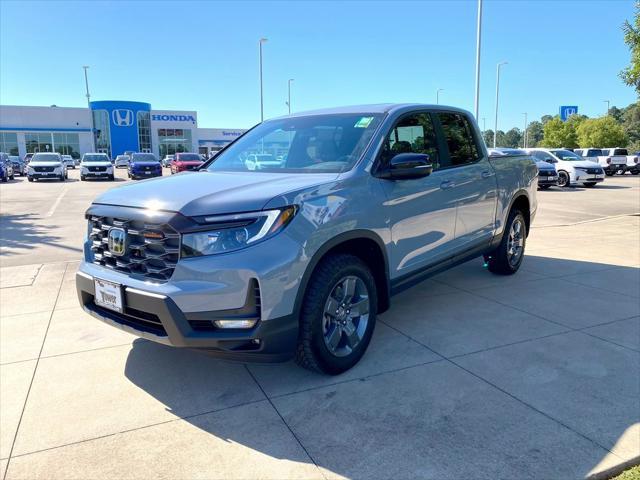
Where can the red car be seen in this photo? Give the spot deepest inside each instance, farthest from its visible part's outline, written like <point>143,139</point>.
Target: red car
<point>185,161</point>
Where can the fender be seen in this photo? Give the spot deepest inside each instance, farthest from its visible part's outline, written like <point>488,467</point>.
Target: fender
<point>332,243</point>
<point>522,192</point>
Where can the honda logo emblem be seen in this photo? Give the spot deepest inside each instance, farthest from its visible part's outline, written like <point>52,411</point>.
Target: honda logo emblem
<point>117,239</point>
<point>122,117</point>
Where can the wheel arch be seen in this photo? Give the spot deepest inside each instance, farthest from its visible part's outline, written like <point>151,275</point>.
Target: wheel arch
<point>366,245</point>
<point>521,201</point>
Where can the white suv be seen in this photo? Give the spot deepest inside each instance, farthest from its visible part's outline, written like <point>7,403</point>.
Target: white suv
<point>572,168</point>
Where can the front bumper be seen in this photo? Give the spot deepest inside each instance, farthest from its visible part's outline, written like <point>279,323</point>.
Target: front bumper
<point>146,174</point>
<point>97,174</point>
<point>547,180</point>
<point>40,175</point>
<point>156,317</point>
<point>615,167</point>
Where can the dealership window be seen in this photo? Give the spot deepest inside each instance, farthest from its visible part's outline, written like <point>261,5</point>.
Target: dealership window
<point>144,131</point>
<point>67,144</point>
<point>174,140</point>
<point>102,135</point>
<point>9,143</point>
<point>38,142</point>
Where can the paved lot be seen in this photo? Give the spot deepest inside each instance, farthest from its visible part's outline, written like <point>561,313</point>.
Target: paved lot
<point>469,375</point>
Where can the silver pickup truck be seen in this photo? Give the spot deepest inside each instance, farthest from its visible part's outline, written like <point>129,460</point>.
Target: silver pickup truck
<point>297,259</point>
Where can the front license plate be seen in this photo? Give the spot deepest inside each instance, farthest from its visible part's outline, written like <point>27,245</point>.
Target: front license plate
<point>108,295</point>
<point>552,178</point>
<point>147,173</point>
<point>598,176</point>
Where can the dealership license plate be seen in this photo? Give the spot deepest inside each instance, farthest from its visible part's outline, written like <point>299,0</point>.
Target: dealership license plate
<point>108,295</point>
<point>598,176</point>
<point>552,178</point>
<point>147,173</point>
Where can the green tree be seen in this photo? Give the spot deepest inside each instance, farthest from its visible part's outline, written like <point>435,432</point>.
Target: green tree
<point>546,118</point>
<point>534,133</point>
<point>601,132</point>
<point>616,113</point>
<point>559,134</point>
<point>512,138</point>
<point>488,138</point>
<point>631,126</point>
<point>631,74</point>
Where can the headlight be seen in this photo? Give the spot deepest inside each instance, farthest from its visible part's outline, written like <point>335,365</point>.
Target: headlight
<point>229,233</point>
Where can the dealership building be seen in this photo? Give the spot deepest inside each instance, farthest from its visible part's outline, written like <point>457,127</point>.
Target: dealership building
<point>118,126</point>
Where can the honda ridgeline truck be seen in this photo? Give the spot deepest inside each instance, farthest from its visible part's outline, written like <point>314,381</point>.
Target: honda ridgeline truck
<point>298,259</point>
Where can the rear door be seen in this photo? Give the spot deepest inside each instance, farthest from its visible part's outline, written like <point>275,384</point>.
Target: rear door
<point>472,180</point>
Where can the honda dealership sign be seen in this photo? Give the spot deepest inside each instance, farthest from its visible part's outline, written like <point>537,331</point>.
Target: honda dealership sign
<point>567,110</point>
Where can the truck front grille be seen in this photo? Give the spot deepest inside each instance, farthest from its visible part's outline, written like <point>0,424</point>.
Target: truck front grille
<point>151,251</point>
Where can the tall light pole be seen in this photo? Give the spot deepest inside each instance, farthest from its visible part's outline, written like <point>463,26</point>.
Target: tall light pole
<point>495,131</point>
<point>86,84</point>
<point>524,135</point>
<point>262,40</point>
<point>484,124</point>
<point>438,95</point>
<point>478,41</point>
<point>289,94</point>
<point>607,102</point>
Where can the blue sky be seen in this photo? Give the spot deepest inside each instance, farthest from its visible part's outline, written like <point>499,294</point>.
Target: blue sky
<point>204,55</point>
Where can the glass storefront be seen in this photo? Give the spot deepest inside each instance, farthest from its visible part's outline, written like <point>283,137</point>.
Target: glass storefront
<point>62,143</point>
<point>9,143</point>
<point>174,140</point>
<point>144,131</point>
<point>102,133</point>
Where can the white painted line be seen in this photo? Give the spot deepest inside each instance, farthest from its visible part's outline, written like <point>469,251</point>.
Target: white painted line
<point>57,202</point>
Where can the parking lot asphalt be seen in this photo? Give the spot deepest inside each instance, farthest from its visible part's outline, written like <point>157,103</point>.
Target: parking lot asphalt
<point>469,375</point>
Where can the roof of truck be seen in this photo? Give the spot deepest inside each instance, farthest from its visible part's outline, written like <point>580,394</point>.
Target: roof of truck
<point>373,108</point>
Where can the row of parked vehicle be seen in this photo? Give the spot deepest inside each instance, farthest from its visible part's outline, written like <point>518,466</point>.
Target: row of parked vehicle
<point>563,167</point>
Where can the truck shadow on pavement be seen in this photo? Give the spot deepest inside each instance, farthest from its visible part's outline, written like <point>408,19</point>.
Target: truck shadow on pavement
<point>518,380</point>
<point>26,232</point>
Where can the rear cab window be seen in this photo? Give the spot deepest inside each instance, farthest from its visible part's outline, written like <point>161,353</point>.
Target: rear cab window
<point>462,146</point>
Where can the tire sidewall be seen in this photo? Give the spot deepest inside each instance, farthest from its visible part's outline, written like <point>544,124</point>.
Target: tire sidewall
<point>329,362</point>
<point>565,174</point>
<point>516,215</point>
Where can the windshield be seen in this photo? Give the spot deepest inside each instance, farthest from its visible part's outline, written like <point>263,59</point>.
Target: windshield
<point>620,151</point>
<point>594,153</point>
<point>144,157</point>
<point>566,155</point>
<point>188,157</point>
<point>95,158</point>
<point>46,157</point>
<point>315,144</point>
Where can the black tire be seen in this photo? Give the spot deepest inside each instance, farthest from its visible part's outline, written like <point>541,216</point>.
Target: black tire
<point>590,184</point>
<point>608,174</point>
<point>636,172</point>
<point>5,179</point>
<point>112,177</point>
<point>544,187</point>
<point>30,179</point>
<point>312,352</point>
<point>83,178</point>
<point>563,179</point>
<point>12,177</point>
<point>498,261</point>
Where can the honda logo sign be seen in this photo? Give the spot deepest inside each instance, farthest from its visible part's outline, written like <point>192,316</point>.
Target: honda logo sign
<point>122,117</point>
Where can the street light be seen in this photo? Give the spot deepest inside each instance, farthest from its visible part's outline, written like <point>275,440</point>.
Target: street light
<point>607,102</point>
<point>289,94</point>
<point>478,38</point>
<point>438,95</point>
<point>86,84</point>
<point>495,131</point>
<point>262,40</point>
<point>524,136</point>
<point>484,124</point>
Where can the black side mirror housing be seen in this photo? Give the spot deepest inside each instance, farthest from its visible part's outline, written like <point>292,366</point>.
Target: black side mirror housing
<point>406,166</point>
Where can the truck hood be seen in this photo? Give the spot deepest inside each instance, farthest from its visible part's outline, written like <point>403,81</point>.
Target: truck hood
<point>211,193</point>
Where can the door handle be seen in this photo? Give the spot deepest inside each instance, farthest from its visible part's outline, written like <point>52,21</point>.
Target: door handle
<point>486,174</point>
<point>447,184</point>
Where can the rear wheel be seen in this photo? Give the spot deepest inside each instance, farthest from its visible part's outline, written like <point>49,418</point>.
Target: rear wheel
<point>507,258</point>
<point>563,179</point>
<point>338,315</point>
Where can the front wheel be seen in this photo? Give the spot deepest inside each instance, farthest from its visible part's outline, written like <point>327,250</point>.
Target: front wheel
<point>338,315</point>
<point>563,179</point>
<point>507,258</point>
<point>30,179</point>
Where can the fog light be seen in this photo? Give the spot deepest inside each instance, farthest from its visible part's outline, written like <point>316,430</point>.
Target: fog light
<point>244,323</point>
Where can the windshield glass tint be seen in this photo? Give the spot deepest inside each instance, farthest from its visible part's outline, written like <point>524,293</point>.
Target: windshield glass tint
<point>620,151</point>
<point>316,144</point>
<point>594,153</point>
<point>144,157</point>
<point>566,155</point>
<point>95,158</point>
<point>46,157</point>
<point>189,157</point>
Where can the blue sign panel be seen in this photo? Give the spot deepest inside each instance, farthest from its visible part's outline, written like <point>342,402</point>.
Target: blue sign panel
<point>124,118</point>
<point>567,110</point>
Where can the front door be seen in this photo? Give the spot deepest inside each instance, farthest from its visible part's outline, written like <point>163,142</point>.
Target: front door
<point>422,211</point>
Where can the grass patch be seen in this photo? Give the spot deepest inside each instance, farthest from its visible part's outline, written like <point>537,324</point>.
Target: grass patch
<point>631,474</point>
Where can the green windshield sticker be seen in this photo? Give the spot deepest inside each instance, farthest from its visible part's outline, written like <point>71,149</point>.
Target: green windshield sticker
<point>363,122</point>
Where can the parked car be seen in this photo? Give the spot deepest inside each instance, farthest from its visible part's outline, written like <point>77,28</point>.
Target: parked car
<point>19,167</point>
<point>96,165</point>
<point>68,161</point>
<point>166,161</point>
<point>183,162</point>
<point>261,161</point>
<point>122,161</point>
<point>572,168</point>
<point>299,259</point>
<point>615,154</point>
<point>6,168</point>
<point>547,174</point>
<point>611,164</point>
<point>144,165</point>
<point>47,166</point>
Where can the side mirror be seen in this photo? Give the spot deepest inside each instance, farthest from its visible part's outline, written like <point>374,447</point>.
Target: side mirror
<point>406,166</point>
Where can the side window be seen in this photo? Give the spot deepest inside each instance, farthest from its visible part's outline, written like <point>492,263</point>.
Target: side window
<point>459,138</point>
<point>412,134</point>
